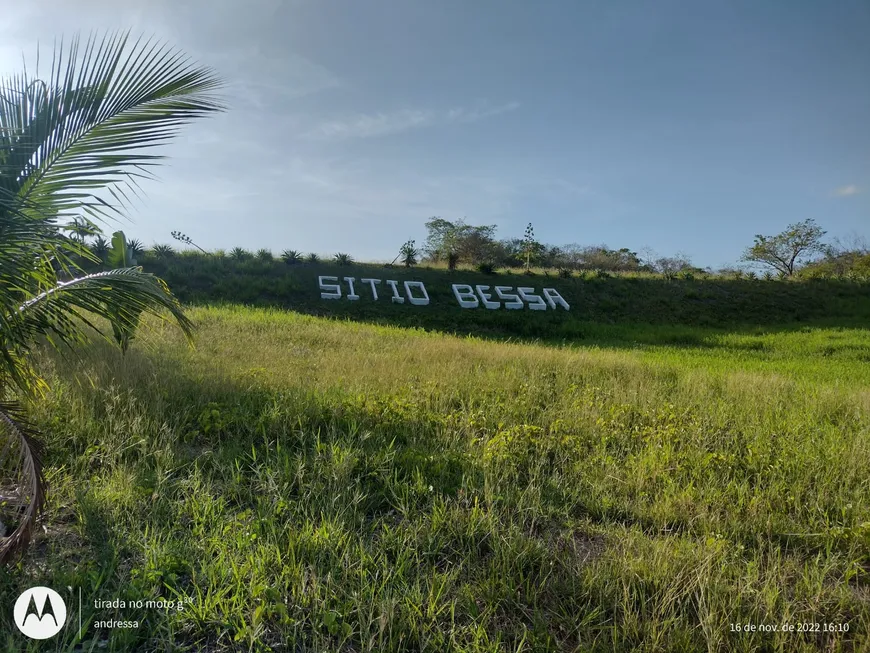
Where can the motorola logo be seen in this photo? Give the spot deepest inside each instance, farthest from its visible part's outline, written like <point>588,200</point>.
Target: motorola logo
<point>39,612</point>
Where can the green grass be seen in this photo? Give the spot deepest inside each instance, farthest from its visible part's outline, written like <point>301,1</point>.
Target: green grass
<point>313,484</point>
<point>629,299</point>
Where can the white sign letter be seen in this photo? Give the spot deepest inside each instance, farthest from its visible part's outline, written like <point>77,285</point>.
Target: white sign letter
<point>372,283</point>
<point>416,301</point>
<point>534,301</point>
<point>351,295</point>
<point>335,288</point>
<point>486,298</point>
<point>510,300</point>
<point>397,298</point>
<point>465,295</point>
<point>553,298</point>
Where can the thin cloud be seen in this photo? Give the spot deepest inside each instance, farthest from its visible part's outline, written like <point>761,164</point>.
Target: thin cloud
<point>845,191</point>
<point>382,124</point>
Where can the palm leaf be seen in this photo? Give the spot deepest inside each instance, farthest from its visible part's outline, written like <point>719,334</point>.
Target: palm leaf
<point>22,485</point>
<point>85,128</point>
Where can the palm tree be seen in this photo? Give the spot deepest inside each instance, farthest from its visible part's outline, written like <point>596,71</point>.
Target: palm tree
<point>67,142</point>
<point>162,251</point>
<point>239,254</point>
<point>291,256</point>
<point>81,228</point>
<point>100,248</point>
<point>312,258</point>
<point>343,259</point>
<point>264,254</point>
<point>136,247</point>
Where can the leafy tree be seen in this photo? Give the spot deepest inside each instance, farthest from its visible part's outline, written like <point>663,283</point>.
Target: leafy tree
<point>458,241</point>
<point>409,253</point>
<point>670,266</point>
<point>66,141</point>
<point>788,249</point>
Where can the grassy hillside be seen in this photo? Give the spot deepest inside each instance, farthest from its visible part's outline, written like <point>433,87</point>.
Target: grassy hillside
<point>597,304</point>
<point>304,484</point>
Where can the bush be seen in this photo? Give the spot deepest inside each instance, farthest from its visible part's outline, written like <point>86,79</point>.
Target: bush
<point>312,258</point>
<point>264,255</point>
<point>239,254</point>
<point>343,259</point>
<point>162,251</point>
<point>291,256</point>
<point>486,268</point>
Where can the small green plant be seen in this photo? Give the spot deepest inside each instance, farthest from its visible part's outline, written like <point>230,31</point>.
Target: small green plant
<point>264,255</point>
<point>768,276</point>
<point>486,267</point>
<point>343,259</point>
<point>751,275</point>
<point>738,274</point>
<point>312,258</point>
<point>564,273</point>
<point>291,256</point>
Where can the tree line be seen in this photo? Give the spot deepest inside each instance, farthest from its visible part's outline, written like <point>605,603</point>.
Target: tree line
<point>800,248</point>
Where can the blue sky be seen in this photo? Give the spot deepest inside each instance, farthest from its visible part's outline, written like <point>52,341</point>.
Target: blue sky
<point>679,126</point>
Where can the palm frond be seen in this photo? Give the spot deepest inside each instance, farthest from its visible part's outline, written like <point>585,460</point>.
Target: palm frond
<point>22,484</point>
<point>120,296</point>
<point>84,128</point>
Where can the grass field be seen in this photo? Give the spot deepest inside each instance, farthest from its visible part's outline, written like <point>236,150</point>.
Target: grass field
<point>311,484</point>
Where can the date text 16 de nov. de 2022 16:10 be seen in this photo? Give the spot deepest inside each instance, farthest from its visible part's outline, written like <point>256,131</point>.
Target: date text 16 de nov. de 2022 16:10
<point>467,296</point>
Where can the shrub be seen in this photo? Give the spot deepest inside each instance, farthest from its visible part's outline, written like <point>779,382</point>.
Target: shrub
<point>239,254</point>
<point>343,259</point>
<point>291,256</point>
<point>486,267</point>
<point>264,254</point>
<point>409,253</point>
<point>135,247</point>
<point>162,251</point>
<point>564,273</point>
<point>312,258</point>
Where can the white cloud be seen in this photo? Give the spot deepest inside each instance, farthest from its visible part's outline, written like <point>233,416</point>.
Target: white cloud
<point>382,124</point>
<point>845,191</point>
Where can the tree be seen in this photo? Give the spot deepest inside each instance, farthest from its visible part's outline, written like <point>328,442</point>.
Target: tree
<point>66,144</point>
<point>458,241</point>
<point>787,250</point>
